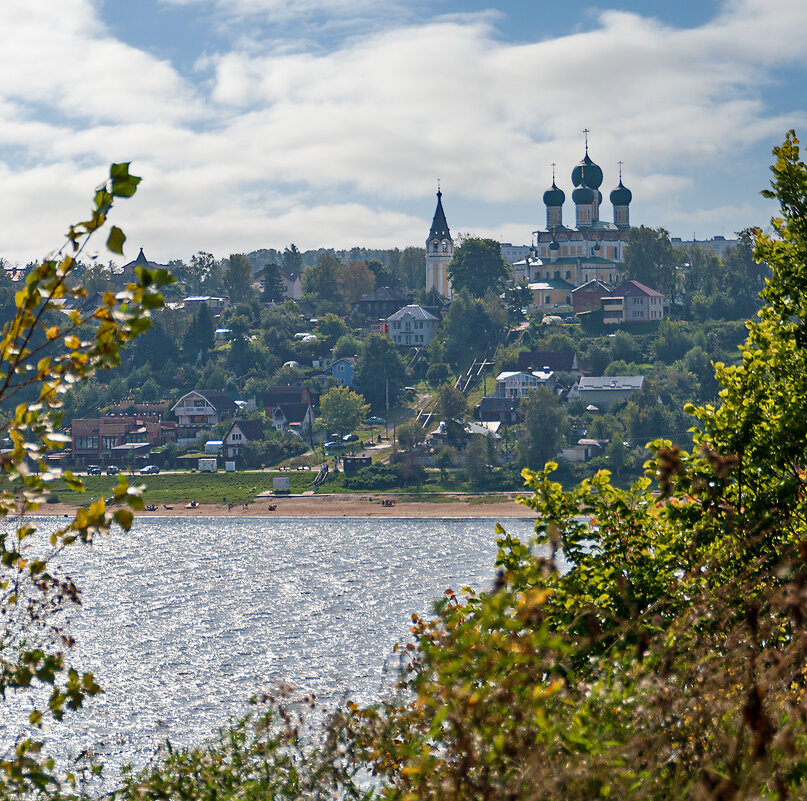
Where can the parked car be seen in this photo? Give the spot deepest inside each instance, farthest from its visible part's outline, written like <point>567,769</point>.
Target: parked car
<point>93,470</point>
<point>112,470</point>
<point>374,421</point>
<point>350,438</point>
<point>149,469</point>
<point>329,446</point>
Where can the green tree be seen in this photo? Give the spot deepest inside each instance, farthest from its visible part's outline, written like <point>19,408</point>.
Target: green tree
<point>468,330</point>
<point>342,409</point>
<point>322,285</point>
<point>410,435</point>
<point>293,260</point>
<point>201,334</point>
<point>43,358</point>
<point>380,372</point>
<point>477,266</point>
<point>451,406</point>
<point>238,278</point>
<point>650,259</point>
<point>274,290</point>
<point>544,427</point>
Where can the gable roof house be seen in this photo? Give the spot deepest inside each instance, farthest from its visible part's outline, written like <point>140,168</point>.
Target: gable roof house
<point>281,396</point>
<point>382,302</point>
<point>200,409</point>
<point>342,370</point>
<point>558,361</point>
<point>298,417</point>
<point>641,303</point>
<point>241,431</point>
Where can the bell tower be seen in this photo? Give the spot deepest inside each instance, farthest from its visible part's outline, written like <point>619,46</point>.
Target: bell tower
<point>439,251</point>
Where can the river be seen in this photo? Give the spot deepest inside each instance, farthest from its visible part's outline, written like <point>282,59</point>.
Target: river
<point>185,618</point>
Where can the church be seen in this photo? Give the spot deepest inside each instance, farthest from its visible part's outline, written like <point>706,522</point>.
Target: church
<point>594,249</point>
<point>562,256</point>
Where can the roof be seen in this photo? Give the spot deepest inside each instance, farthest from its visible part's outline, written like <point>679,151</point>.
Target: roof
<point>293,412</point>
<point>593,286</point>
<point>551,283</point>
<point>349,359</point>
<point>561,360</point>
<point>493,403</point>
<point>539,374</point>
<point>610,382</point>
<point>633,288</point>
<point>142,261</point>
<point>385,293</point>
<point>251,429</point>
<point>439,229</point>
<point>220,401</point>
<point>279,395</point>
<point>412,311</point>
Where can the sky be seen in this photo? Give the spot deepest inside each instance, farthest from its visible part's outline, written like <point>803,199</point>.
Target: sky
<point>328,123</point>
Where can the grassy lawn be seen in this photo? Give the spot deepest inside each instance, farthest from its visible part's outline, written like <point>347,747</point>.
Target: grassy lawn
<point>176,488</point>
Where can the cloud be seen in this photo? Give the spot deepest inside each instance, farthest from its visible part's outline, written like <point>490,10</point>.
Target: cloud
<point>262,146</point>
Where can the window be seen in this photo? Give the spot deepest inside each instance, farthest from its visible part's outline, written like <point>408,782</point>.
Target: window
<point>435,247</point>
<point>445,247</point>
<point>108,442</point>
<point>87,442</point>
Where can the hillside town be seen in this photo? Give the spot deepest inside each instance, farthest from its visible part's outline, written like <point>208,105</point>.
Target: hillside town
<point>466,360</point>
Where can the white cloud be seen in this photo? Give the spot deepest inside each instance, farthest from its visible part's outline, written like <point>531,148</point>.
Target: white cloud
<point>344,147</point>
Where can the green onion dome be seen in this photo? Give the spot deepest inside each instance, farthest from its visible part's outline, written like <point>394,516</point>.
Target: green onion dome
<point>588,173</point>
<point>621,196</point>
<point>554,245</point>
<point>554,196</point>
<point>583,195</point>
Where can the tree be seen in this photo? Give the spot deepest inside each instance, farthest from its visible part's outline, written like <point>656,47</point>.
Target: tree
<point>322,285</point>
<point>468,330</point>
<point>201,334</point>
<point>41,356</point>
<point>477,266</point>
<point>650,259</point>
<point>274,290</point>
<point>356,279</point>
<point>410,435</point>
<point>380,372</point>
<point>342,409</point>
<point>544,427</point>
<point>293,260</point>
<point>517,298</point>
<point>451,406</point>
<point>238,278</point>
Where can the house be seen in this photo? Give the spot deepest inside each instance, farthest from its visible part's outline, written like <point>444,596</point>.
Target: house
<point>127,272</point>
<point>492,409</point>
<point>558,361</point>
<point>241,431</point>
<point>604,392</point>
<point>516,384</point>
<point>292,282</point>
<point>217,305</point>
<point>412,326</point>
<point>382,302</point>
<point>297,417</point>
<point>584,450</point>
<point>587,296</point>
<point>281,396</point>
<point>107,440</point>
<point>200,409</point>
<point>342,370</point>
<point>551,293</point>
<point>641,303</point>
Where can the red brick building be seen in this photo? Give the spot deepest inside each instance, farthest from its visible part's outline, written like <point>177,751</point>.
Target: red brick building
<point>106,440</point>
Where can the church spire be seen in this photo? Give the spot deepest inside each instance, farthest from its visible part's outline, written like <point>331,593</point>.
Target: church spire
<point>439,229</point>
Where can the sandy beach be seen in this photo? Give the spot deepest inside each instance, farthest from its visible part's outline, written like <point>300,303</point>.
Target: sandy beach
<point>335,505</point>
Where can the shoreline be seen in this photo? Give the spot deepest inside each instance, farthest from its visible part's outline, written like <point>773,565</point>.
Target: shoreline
<point>332,505</point>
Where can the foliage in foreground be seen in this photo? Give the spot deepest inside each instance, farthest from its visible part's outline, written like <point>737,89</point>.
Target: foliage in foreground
<point>667,662</point>
<point>56,337</point>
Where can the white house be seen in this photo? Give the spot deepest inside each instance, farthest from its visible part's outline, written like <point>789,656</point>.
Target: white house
<point>606,391</point>
<point>412,325</point>
<point>201,409</point>
<point>516,384</point>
